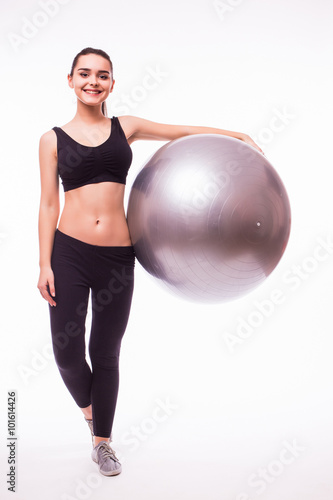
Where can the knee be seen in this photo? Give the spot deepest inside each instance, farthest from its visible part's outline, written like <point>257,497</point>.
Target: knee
<point>68,357</point>
<point>66,336</point>
<point>68,363</point>
<point>104,360</point>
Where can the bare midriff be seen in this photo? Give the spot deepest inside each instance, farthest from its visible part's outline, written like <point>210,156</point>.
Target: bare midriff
<point>95,214</point>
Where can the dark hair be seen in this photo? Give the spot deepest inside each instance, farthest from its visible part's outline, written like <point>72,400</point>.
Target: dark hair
<point>99,52</point>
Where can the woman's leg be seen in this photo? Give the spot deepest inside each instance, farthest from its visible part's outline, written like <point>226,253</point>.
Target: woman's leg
<point>111,301</point>
<point>68,317</point>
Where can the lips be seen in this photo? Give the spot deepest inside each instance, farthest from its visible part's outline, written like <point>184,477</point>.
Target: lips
<point>92,91</point>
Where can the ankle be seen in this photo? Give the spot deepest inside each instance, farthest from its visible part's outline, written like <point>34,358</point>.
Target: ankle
<point>98,439</point>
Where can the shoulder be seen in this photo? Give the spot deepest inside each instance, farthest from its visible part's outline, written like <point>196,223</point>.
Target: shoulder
<point>48,141</point>
<point>125,120</point>
<point>131,125</point>
<point>129,120</point>
<point>48,137</point>
<point>128,123</point>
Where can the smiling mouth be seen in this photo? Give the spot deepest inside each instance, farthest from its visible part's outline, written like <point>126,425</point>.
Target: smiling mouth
<point>92,91</point>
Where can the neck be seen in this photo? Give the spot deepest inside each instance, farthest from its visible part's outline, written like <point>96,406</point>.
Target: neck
<point>88,114</point>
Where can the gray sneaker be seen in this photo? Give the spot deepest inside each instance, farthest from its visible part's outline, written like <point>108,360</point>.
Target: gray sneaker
<point>106,459</point>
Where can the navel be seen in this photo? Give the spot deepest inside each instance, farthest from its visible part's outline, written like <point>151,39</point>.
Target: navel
<point>97,221</point>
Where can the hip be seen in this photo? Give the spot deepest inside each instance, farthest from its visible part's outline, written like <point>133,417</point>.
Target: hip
<point>98,230</point>
<point>76,263</point>
<point>70,255</point>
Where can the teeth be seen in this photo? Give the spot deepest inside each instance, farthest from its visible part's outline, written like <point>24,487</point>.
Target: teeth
<point>91,92</point>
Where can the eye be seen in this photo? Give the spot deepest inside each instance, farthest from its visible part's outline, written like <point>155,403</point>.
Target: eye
<point>105,77</point>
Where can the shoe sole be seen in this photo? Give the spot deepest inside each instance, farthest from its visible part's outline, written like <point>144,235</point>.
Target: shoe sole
<point>111,473</point>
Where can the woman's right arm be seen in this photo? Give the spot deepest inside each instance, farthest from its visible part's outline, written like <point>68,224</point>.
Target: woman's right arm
<point>49,210</point>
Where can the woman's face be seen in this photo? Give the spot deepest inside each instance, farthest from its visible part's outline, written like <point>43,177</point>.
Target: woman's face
<point>92,73</point>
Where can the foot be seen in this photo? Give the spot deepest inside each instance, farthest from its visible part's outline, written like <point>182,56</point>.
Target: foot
<point>106,459</point>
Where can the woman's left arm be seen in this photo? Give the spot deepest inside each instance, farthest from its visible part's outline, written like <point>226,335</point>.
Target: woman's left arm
<point>141,129</point>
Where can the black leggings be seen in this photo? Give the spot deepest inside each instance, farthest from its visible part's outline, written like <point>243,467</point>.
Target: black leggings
<point>109,272</point>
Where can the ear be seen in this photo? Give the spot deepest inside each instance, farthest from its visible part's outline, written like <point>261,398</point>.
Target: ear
<point>111,89</point>
<point>70,81</point>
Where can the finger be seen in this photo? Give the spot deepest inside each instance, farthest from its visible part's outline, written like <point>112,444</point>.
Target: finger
<point>51,288</point>
<point>47,296</point>
<point>260,150</point>
<point>257,147</point>
<point>51,300</point>
<point>51,294</point>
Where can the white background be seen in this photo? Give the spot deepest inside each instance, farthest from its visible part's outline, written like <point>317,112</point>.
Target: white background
<point>233,412</point>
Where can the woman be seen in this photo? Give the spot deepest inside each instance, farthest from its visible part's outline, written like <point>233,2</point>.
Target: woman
<point>91,248</point>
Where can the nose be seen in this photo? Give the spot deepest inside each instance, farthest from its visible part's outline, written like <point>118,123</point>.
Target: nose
<point>92,80</point>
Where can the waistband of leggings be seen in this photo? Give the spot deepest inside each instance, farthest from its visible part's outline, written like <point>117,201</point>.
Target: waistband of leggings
<point>83,244</point>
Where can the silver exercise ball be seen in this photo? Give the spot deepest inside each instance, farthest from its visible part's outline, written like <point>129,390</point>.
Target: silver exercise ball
<point>209,217</point>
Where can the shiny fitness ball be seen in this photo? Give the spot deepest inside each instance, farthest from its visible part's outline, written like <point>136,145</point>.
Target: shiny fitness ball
<point>209,217</point>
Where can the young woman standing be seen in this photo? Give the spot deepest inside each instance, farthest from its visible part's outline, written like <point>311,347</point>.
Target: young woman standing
<point>91,248</point>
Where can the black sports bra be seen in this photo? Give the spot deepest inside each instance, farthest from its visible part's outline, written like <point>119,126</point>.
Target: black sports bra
<point>79,165</point>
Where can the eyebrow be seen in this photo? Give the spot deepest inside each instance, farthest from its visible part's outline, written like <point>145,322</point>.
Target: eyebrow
<point>100,71</point>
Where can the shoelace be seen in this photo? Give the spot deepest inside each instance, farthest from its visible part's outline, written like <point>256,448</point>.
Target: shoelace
<point>107,452</point>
